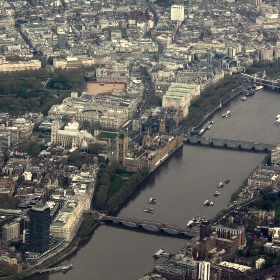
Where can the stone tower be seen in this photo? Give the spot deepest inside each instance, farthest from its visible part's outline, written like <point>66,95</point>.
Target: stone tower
<point>122,147</point>
<point>147,139</point>
<point>162,126</point>
<point>55,127</point>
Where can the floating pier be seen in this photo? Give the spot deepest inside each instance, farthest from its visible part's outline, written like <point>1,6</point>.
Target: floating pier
<point>64,269</point>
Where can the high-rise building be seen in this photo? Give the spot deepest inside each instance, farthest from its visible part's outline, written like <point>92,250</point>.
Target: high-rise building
<point>177,12</point>
<point>39,229</point>
<point>205,229</point>
<point>10,231</point>
<point>204,271</point>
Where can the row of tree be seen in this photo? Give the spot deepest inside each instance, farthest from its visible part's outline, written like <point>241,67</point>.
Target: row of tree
<point>210,99</point>
<point>102,201</point>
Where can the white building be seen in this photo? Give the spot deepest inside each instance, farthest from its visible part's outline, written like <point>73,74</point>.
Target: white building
<point>181,96</point>
<point>70,137</point>
<point>204,271</point>
<point>68,220</point>
<point>177,13</point>
<point>10,231</point>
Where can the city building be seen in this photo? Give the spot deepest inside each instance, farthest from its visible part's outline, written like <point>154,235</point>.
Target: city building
<point>150,153</point>
<point>114,73</point>
<point>39,229</point>
<point>204,271</point>
<point>61,39</point>
<point>177,13</point>
<point>205,229</point>
<point>10,231</point>
<point>109,111</point>
<point>227,233</point>
<point>275,155</point>
<point>70,137</point>
<point>9,66</point>
<point>5,140</point>
<point>7,187</point>
<point>181,96</point>
<point>68,220</point>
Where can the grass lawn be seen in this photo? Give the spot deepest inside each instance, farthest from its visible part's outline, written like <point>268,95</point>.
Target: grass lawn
<point>116,184</point>
<point>111,135</point>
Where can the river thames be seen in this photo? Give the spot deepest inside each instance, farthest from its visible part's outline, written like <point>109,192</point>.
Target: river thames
<point>180,185</point>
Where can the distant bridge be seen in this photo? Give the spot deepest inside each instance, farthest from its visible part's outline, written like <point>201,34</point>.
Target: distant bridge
<point>274,84</point>
<point>152,226</point>
<point>229,144</point>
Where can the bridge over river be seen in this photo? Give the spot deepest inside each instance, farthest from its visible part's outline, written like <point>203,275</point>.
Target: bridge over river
<point>274,84</point>
<point>229,144</point>
<point>152,226</point>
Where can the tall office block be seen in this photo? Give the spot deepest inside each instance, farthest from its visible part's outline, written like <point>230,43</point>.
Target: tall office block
<point>39,229</point>
<point>177,12</point>
<point>204,271</point>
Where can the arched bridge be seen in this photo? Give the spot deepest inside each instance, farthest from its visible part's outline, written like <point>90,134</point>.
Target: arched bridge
<point>229,144</point>
<point>151,226</point>
<point>274,84</point>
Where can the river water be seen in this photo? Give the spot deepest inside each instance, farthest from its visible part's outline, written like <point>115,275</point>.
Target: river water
<point>181,185</point>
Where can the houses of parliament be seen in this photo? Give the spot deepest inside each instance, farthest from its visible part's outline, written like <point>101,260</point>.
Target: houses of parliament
<point>148,149</point>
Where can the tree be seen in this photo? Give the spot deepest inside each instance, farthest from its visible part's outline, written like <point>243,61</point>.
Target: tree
<point>94,149</point>
<point>74,157</point>
<point>101,196</point>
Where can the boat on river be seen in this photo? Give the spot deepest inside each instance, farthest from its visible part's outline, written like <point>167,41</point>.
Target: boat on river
<point>195,221</point>
<point>226,181</point>
<point>243,98</point>
<point>158,254</point>
<point>226,115</point>
<point>206,202</point>
<point>255,87</point>
<point>250,92</point>
<point>216,193</point>
<point>152,200</point>
<point>220,185</point>
<point>66,268</point>
<point>149,210</point>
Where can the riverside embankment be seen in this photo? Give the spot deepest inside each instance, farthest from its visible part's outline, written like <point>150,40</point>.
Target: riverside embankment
<point>181,185</point>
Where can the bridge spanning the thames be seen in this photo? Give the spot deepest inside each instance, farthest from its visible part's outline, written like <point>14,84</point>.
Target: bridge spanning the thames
<point>274,84</point>
<point>151,226</point>
<point>229,144</point>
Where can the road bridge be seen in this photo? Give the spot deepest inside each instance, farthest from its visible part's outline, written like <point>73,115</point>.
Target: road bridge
<point>229,144</point>
<point>274,84</point>
<point>152,226</point>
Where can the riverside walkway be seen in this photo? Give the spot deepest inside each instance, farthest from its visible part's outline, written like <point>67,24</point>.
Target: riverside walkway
<point>229,144</point>
<point>151,226</point>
